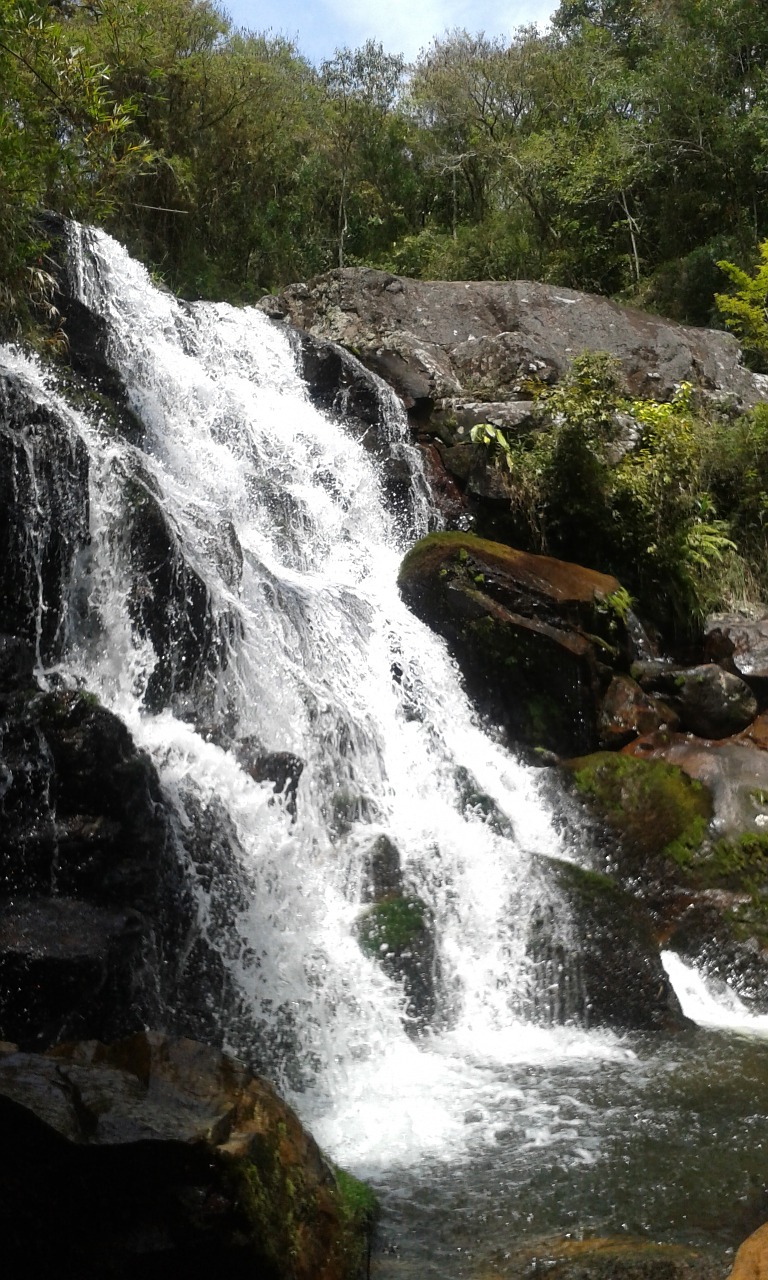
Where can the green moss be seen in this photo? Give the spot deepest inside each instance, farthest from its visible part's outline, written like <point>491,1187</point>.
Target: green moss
<point>655,807</point>
<point>392,924</point>
<point>358,1203</point>
<point>739,864</point>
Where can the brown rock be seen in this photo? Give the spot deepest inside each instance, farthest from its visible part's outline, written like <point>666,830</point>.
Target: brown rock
<point>627,713</point>
<point>532,634</point>
<point>751,1261</point>
<point>160,1156</point>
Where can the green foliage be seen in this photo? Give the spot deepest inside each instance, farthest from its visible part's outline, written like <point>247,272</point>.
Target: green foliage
<point>640,509</point>
<point>745,309</point>
<point>64,143</point>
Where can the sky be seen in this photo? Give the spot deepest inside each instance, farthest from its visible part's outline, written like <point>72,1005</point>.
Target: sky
<point>403,26</point>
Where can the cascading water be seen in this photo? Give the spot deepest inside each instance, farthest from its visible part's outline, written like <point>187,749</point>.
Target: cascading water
<point>281,630</point>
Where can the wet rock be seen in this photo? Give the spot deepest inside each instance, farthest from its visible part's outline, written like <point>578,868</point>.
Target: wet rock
<point>397,932</point>
<point>160,1156</point>
<point>382,874</point>
<point>627,712</point>
<point>598,964</point>
<point>740,645</point>
<point>734,771</point>
<point>611,1258</point>
<point>711,702</point>
<point>657,815</point>
<point>170,605</point>
<point>92,901</point>
<point>706,888</point>
<point>44,531</point>
<point>532,635</point>
<point>282,768</point>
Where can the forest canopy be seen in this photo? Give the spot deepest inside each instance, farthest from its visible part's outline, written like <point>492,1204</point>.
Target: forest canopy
<point>623,151</point>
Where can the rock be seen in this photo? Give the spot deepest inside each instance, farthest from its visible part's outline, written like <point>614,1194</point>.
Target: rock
<point>93,909</point>
<point>740,644</point>
<point>44,529</point>
<point>734,771</point>
<point>532,635</point>
<point>396,931</point>
<point>711,703</point>
<point>166,1157</point>
<point>603,969</point>
<point>170,606</point>
<point>627,712</point>
<point>706,891</point>
<point>657,815</point>
<point>609,1258</point>
<point>438,341</point>
<point>751,1261</point>
<point>282,768</point>
<point>382,874</point>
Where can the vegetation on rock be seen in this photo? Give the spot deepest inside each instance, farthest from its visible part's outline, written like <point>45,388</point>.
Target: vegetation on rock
<point>659,814</point>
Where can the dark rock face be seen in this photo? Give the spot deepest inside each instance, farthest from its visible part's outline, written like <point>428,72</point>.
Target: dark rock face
<point>436,340</point>
<point>161,1157</point>
<point>533,635</point>
<point>43,520</point>
<point>710,702</point>
<point>92,908</point>
<point>606,971</point>
<point>170,604</point>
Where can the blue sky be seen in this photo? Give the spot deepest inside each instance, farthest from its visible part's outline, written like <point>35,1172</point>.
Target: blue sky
<point>402,26</point>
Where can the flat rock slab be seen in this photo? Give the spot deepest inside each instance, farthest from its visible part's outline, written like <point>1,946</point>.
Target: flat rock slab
<point>435,340</point>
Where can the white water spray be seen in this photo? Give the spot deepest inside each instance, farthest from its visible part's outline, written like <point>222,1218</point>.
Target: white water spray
<point>278,512</point>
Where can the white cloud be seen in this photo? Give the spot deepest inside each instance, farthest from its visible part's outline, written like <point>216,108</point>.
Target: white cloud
<point>406,26</point>
<point>402,26</point>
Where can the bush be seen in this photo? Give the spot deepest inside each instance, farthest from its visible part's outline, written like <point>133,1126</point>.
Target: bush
<point>619,484</point>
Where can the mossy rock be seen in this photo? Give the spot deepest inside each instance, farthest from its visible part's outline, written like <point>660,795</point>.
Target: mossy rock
<point>658,814</point>
<point>397,933</point>
<point>536,638</point>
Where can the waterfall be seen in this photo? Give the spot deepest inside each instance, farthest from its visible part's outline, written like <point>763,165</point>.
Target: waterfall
<point>242,607</point>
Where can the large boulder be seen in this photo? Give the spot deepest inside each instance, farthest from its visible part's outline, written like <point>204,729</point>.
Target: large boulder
<point>534,636</point>
<point>155,1157</point>
<point>92,902</point>
<point>458,341</point>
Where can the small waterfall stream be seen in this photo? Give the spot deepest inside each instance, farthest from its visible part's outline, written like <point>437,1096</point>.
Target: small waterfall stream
<point>284,633</point>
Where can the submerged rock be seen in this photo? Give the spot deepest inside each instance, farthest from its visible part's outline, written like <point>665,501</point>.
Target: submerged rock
<point>610,1258</point>
<point>155,1156</point>
<point>533,635</point>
